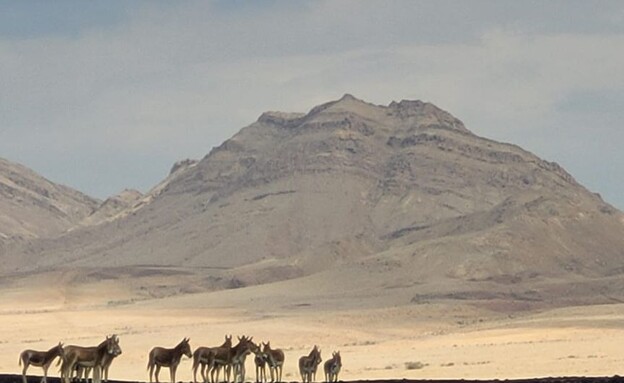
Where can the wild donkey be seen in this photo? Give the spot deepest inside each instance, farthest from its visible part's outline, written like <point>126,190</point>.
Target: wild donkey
<point>275,360</point>
<point>260,360</point>
<point>238,362</point>
<point>308,365</point>
<point>81,370</point>
<point>332,367</point>
<point>41,359</point>
<point>227,358</point>
<point>93,357</point>
<point>204,357</point>
<point>168,357</point>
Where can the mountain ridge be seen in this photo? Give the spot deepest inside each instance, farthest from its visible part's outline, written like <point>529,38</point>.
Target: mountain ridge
<point>403,192</point>
<point>32,206</point>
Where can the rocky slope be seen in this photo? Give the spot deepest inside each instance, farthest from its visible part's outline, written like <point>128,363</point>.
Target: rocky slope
<point>33,207</point>
<point>400,195</point>
<point>113,206</point>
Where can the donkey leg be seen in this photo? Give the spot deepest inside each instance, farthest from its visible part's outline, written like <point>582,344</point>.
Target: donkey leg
<point>24,371</point>
<point>45,373</point>
<point>172,371</point>
<point>202,371</point>
<point>157,372</point>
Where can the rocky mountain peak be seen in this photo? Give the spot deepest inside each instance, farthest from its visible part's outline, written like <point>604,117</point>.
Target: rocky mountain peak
<point>346,103</point>
<point>406,115</point>
<point>425,114</point>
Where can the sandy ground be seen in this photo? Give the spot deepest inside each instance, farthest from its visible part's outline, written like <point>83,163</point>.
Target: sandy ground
<point>416,341</point>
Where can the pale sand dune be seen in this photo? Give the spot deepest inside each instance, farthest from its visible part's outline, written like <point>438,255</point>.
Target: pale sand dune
<point>451,341</point>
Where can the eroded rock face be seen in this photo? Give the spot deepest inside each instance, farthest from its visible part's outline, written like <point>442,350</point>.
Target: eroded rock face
<point>403,191</point>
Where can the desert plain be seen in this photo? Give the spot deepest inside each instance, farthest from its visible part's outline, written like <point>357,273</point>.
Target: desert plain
<point>433,340</point>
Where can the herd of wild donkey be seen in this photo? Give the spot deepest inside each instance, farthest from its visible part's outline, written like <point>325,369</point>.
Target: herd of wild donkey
<point>77,362</point>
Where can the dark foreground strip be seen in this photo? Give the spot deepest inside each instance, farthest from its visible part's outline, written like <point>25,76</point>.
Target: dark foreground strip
<point>566,379</point>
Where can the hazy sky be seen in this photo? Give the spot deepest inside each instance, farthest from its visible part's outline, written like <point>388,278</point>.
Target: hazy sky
<point>104,95</point>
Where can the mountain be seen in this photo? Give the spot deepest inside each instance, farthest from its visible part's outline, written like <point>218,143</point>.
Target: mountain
<point>33,207</point>
<point>113,206</point>
<point>396,196</point>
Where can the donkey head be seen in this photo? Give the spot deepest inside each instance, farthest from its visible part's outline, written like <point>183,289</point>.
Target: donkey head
<point>112,345</point>
<point>185,347</point>
<point>60,351</point>
<point>317,356</point>
<point>336,356</point>
<point>228,341</point>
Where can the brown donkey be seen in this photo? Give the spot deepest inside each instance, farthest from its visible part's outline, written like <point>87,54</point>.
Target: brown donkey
<point>332,367</point>
<point>93,357</point>
<point>41,359</point>
<point>204,357</point>
<point>107,360</point>
<point>308,365</point>
<point>168,357</point>
<point>260,360</point>
<point>275,360</point>
<point>226,358</point>
<point>238,361</point>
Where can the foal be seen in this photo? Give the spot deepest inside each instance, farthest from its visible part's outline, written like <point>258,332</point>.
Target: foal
<point>308,365</point>
<point>332,367</point>
<point>41,359</point>
<point>168,357</point>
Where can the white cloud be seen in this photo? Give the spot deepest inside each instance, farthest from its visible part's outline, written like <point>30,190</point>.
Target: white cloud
<point>172,82</point>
